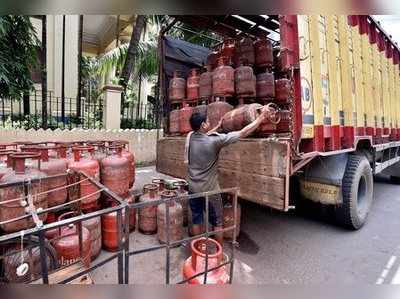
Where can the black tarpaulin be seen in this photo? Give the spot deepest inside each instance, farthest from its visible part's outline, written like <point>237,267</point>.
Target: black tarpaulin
<point>182,56</point>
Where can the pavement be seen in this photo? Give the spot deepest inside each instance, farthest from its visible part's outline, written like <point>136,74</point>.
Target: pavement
<point>288,248</point>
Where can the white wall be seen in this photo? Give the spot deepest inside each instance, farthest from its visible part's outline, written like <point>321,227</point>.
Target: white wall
<point>141,142</point>
<point>54,53</point>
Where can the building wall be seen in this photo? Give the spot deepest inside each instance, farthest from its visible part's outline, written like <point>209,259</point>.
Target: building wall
<point>54,53</point>
<point>141,142</point>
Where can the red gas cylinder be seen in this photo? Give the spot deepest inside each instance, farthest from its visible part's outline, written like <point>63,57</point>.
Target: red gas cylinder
<point>200,109</point>
<point>63,149</point>
<point>33,148</point>
<point>228,50</point>
<point>263,53</point>
<point>12,199</point>
<point>132,213</point>
<point>277,59</point>
<point>184,116</point>
<point>216,111</point>
<point>240,117</point>
<point>93,225</point>
<point>99,147</point>
<point>14,255</point>
<point>246,50</point>
<point>284,124</point>
<point>193,82</point>
<point>160,183</point>
<point>265,85</point>
<point>68,246</point>
<point>175,218</point>
<point>269,124</point>
<point>223,80</point>
<point>177,87</point>
<point>205,83</point>
<point>212,58</point>
<point>5,161</point>
<point>282,90</point>
<point>114,170</point>
<point>148,214</point>
<point>196,262</point>
<point>109,230</point>
<point>131,158</point>
<point>245,81</point>
<point>181,188</point>
<point>8,146</point>
<point>51,217</point>
<point>54,167</point>
<point>174,122</point>
<point>21,143</point>
<point>91,167</point>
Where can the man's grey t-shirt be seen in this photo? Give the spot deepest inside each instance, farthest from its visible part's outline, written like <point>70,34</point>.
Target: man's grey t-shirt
<point>203,159</point>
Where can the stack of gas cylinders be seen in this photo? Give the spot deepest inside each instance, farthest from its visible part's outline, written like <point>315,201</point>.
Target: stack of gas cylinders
<point>108,162</point>
<point>168,220</point>
<point>240,76</point>
<point>113,165</point>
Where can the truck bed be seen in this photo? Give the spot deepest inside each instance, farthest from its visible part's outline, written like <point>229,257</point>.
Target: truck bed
<point>256,166</point>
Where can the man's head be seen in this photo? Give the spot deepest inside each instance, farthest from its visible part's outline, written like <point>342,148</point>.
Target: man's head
<point>199,122</point>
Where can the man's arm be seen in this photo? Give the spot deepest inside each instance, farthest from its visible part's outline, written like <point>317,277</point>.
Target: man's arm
<point>226,139</point>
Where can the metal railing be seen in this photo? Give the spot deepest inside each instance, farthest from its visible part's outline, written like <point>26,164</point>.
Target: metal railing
<point>123,253</point>
<point>140,116</point>
<point>26,112</point>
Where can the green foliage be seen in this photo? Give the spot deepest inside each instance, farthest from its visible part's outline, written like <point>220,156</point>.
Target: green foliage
<point>146,64</point>
<point>92,120</point>
<point>29,122</point>
<point>18,55</point>
<point>137,124</point>
<point>91,79</point>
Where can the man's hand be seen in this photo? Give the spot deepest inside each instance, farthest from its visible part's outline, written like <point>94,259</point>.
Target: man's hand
<point>266,111</point>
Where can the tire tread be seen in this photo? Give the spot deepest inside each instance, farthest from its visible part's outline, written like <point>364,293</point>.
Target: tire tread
<point>344,213</point>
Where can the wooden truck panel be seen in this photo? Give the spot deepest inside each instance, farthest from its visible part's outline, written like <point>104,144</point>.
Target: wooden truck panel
<point>257,166</point>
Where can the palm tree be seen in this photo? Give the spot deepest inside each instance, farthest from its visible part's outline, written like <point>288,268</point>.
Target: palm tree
<point>132,50</point>
<point>146,62</point>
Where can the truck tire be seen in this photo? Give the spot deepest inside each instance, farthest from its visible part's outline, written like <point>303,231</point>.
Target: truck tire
<point>357,191</point>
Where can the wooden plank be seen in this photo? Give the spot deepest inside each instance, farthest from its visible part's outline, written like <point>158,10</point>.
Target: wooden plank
<point>265,190</point>
<point>269,154</point>
<point>63,273</point>
<point>172,167</point>
<point>256,166</point>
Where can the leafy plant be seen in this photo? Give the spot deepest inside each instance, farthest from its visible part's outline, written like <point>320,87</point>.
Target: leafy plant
<point>18,55</point>
<point>92,120</point>
<point>137,124</point>
<point>146,63</point>
<point>91,79</point>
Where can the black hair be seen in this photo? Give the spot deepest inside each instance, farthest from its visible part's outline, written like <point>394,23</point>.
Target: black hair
<point>197,119</point>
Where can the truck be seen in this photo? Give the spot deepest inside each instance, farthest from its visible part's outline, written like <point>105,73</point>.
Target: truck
<point>344,112</point>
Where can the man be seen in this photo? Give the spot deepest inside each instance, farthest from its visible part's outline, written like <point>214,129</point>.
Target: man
<point>202,150</point>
